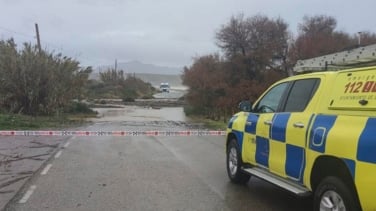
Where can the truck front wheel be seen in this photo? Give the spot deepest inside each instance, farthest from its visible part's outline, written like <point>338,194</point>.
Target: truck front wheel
<point>333,194</point>
<point>234,171</point>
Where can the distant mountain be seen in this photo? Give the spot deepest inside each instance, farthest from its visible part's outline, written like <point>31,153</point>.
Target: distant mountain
<point>139,67</point>
<point>147,72</point>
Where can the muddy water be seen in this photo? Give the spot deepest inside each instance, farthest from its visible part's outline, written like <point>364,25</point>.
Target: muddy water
<point>134,118</point>
<point>134,113</point>
<point>173,94</point>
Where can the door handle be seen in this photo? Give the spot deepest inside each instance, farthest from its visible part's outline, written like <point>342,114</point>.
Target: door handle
<point>268,122</point>
<point>298,125</point>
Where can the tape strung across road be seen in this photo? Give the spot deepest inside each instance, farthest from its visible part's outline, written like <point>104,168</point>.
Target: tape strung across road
<point>113,133</point>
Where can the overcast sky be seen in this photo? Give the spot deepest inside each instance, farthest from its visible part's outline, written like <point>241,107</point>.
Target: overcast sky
<point>161,32</point>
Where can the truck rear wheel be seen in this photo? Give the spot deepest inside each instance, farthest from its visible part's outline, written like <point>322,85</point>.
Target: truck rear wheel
<point>234,171</point>
<point>333,194</point>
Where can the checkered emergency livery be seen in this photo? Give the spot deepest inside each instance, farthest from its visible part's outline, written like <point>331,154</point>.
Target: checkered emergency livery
<point>338,123</point>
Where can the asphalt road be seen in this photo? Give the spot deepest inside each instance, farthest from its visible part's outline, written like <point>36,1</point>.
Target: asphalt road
<point>146,173</point>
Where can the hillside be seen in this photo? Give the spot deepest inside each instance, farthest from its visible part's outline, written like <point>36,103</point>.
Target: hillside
<point>153,74</point>
<point>139,67</point>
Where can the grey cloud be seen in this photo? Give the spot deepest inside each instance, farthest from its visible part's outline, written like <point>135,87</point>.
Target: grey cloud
<point>158,32</point>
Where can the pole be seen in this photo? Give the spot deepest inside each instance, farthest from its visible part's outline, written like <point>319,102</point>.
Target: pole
<point>38,38</point>
<point>359,33</point>
<point>115,64</point>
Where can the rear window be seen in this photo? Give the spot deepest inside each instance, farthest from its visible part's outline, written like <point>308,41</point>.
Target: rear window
<point>300,94</point>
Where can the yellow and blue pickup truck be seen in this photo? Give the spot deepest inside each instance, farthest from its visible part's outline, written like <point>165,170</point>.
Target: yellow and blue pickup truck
<point>311,134</point>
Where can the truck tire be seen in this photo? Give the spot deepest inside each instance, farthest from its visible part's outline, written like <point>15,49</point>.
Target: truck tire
<point>333,194</point>
<point>233,163</point>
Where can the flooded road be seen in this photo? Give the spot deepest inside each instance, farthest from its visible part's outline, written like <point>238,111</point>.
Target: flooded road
<point>146,173</point>
<point>140,114</point>
<point>172,94</point>
<point>134,118</point>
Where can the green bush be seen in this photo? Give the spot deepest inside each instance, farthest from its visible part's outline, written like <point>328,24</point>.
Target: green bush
<point>35,82</point>
<point>128,99</point>
<point>192,110</point>
<point>149,96</point>
<point>79,108</point>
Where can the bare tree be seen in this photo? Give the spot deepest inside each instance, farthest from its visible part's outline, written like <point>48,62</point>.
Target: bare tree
<point>318,36</point>
<point>234,37</point>
<point>257,40</point>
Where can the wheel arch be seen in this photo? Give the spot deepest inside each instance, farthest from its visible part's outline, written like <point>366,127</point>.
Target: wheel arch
<point>326,166</point>
<point>231,136</point>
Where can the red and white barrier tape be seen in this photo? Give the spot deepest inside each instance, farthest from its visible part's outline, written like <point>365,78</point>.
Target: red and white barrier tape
<point>113,133</point>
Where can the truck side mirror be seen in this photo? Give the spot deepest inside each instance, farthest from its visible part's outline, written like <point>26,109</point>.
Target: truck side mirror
<point>245,105</point>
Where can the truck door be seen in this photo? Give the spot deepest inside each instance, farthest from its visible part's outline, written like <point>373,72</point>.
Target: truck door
<point>288,130</point>
<point>261,120</point>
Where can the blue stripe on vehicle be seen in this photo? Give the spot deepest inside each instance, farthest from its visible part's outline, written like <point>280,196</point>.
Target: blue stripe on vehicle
<point>231,121</point>
<point>262,151</point>
<point>278,128</point>
<point>367,142</point>
<point>350,165</point>
<point>239,138</point>
<point>295,161</point>
<point>319,132</point>
<point>250,126</point>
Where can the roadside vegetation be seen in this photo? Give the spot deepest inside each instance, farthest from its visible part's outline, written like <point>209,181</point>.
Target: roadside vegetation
<point>41,89</point>
<point>255,52</point>
<point>208,123</point>
<point>37,82</point>
<point>26,122</point>
<point>114,84</point>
